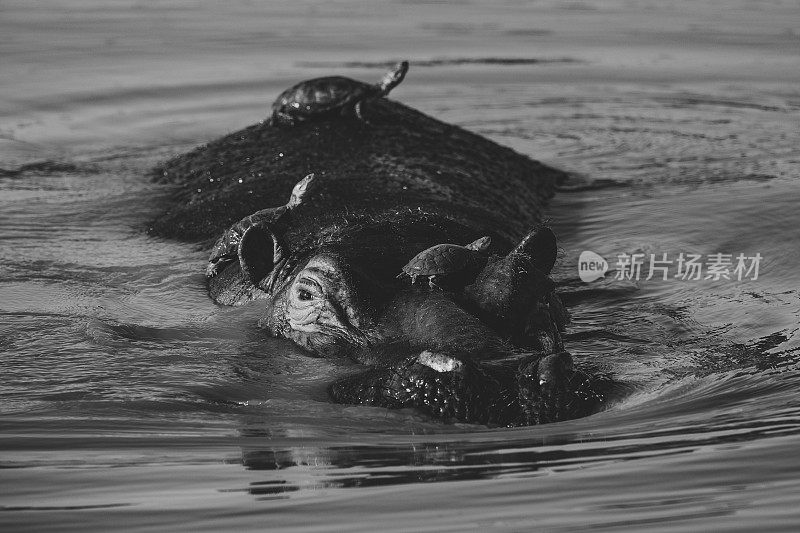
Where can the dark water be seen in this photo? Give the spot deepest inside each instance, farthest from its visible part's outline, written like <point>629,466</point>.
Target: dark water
<point>129,400</point>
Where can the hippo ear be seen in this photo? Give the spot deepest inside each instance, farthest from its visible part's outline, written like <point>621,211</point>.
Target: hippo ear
<point>540,244</point>
<point>259,252</point>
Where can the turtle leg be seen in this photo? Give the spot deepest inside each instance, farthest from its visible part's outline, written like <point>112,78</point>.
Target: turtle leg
<point>357,109</point>
<point>219,264</point>
<point>433,283</point>
<point>281,119</point>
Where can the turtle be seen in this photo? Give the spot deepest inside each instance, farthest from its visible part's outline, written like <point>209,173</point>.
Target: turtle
<point>225,250</point>
<point>331,95</point>
<point>448,262</point>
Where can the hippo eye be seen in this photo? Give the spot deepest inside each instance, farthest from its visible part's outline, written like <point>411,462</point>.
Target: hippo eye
<point>304,295</point>
<point>307,289</point>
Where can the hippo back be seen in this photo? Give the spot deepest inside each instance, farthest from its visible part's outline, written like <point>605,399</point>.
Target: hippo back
<point>402,161</point>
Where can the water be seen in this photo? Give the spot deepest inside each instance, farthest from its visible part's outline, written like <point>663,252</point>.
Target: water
<point>129,400</point>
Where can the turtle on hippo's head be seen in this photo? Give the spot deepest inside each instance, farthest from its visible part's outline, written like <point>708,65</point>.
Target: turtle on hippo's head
<point>331,96</point>
<point>448,262</point>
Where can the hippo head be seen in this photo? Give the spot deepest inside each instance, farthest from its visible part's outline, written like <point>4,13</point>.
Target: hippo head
<point>341,294</point>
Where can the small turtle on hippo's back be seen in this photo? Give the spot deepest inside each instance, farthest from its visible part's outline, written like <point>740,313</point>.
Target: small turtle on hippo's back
<point>330,96</point>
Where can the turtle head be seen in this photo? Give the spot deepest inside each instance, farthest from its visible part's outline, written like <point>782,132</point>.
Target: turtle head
<point>393,78</point>
<point>299,191</point>
<point>480,245</point>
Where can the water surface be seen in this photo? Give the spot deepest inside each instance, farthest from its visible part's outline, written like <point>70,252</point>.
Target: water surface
<point>129,400</point>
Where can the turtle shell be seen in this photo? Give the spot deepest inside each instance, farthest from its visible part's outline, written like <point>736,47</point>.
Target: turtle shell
<point>320,95</point>
<point>442,259</point>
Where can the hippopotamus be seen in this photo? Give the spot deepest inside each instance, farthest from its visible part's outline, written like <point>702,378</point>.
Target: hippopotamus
<point>322,222</point>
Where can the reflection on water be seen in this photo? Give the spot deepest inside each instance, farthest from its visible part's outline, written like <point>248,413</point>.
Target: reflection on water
<point>129,398</point>
<point>366,466</point>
